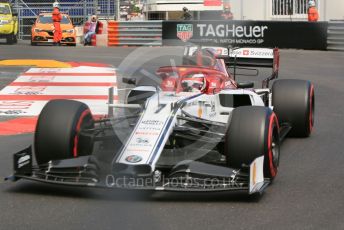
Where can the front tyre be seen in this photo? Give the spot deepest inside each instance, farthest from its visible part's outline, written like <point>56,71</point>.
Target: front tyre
<point>253,132</point>
<point>57,131</point>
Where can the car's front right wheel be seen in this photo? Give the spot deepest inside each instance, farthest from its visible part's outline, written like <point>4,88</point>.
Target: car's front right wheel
<point>57,131</point>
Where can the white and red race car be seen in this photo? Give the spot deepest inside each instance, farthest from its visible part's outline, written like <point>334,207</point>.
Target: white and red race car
<point>198,130</point>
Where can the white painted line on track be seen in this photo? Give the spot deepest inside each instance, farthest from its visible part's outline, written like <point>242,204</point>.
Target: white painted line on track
<point>27,95</point>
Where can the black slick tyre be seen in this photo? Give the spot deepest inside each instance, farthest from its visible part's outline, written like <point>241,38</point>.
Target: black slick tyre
<point>293,102</point>
<point>57,131</point>
<point>253,132</point>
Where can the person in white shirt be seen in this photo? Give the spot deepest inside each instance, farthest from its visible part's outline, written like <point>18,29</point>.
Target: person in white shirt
<point>93,29</point>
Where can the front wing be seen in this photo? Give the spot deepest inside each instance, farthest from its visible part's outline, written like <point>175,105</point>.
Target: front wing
<point>187,176</point>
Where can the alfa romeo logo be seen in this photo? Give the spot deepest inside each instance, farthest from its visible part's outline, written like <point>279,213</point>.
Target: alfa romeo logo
<point>133,159</point>
<point>184,32</point>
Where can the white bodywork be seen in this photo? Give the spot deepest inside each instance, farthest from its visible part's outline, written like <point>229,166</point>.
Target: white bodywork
<point>159,117</point>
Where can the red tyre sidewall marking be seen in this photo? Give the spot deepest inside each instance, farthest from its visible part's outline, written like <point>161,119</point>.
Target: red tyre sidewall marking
<point>273,119</point>
<point>311,109</point>
<point>77,130</point>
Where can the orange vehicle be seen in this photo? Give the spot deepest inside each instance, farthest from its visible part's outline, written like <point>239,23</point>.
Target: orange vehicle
<point>43,30</point>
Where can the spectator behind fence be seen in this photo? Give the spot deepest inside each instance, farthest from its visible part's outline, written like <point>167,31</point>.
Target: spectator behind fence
<point>92,29</point>
<point>227,13</point>
<point>313,15</point>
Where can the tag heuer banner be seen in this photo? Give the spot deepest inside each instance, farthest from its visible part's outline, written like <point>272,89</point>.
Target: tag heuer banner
<point>298,35</point>
<point>184,31</point>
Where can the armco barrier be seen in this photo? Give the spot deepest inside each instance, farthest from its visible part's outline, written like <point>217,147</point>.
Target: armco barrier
<point>335,39</point>
<point>298,35</point>
<point>135,33</point>
<point>282,34</point>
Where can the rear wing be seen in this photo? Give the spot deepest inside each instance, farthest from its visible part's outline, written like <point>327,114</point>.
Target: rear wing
<point>245,57</point>
<point>237,58</point>
<point>253,58</point>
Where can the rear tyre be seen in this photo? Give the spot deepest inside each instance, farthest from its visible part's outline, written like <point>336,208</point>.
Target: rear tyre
<point>57,131</point>
<point>253,132</point>
<point>33,43</point>
<point>293,102</point>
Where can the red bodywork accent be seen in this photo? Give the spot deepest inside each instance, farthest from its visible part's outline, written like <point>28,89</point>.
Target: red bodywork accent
<point>216,80</point>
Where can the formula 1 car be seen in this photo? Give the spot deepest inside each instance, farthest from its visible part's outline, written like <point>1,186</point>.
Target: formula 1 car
<point>198,130</point>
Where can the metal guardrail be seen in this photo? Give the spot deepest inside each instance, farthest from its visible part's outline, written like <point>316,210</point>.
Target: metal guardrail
<point>335,35</point>
<point>135,33</point>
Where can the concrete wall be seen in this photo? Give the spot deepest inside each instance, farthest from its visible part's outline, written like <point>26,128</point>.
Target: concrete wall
<point>331,9</point>
<point>247,10</point>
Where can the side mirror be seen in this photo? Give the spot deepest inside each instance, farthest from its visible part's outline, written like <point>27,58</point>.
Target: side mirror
<point>130,81</point>
<point>245,85</point>
<point>15,14</point>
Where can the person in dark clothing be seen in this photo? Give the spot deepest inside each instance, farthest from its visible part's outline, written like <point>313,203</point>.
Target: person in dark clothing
<point>186,14</point>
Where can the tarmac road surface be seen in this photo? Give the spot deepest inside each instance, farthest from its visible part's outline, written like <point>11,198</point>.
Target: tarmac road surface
<point>308,192</point>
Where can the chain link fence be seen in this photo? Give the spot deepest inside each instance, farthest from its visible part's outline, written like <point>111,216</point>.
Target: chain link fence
<point>78,10</point>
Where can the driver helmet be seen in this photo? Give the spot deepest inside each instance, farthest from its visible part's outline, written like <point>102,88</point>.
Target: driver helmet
<point>56,5</point>
<point>194,83</point>
<point>185,9</point>
<point>311,3</point>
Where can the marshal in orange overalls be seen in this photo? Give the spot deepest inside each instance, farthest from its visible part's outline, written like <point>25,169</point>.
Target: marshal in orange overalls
<point>313,15</point>
<point>57,17</point>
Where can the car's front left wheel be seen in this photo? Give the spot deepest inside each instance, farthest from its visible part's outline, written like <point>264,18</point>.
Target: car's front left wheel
<point>253,132</point>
